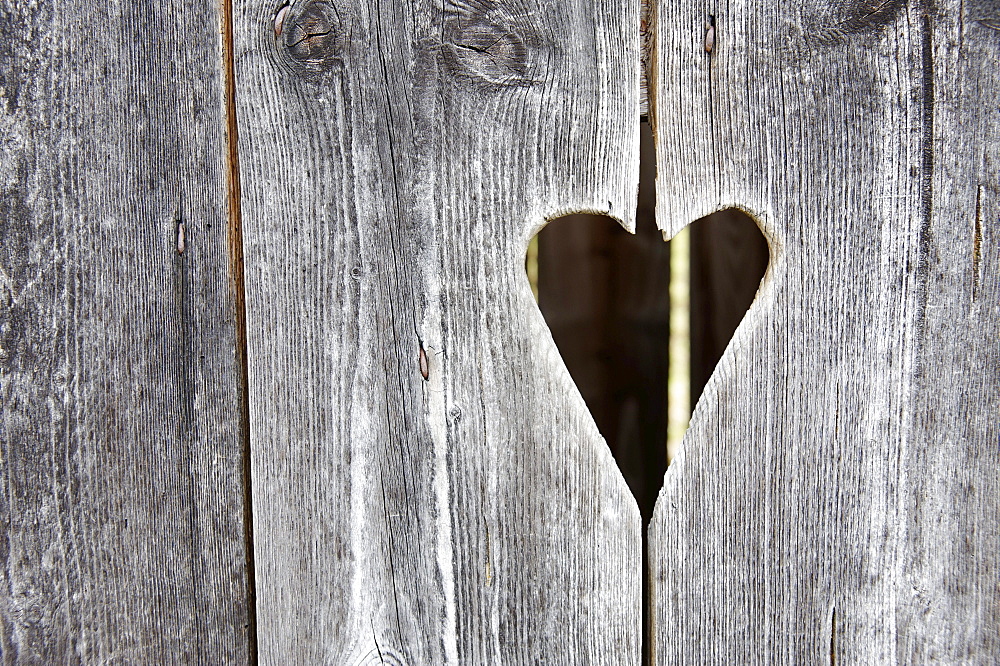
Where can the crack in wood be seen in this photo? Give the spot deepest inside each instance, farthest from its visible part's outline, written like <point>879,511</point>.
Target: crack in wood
<point>977,239</point>
<point>237,285</point>
<point>833,636</point>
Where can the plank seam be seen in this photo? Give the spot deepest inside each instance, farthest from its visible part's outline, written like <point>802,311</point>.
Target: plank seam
<point>236,273</point>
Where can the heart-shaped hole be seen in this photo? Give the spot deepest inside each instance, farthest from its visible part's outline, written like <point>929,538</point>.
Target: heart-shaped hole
<point>640,323</point>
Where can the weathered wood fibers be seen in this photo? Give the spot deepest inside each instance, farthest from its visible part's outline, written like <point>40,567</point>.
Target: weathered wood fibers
<point>836,498</point>
<point>396,159</point>
<point>121,502</point>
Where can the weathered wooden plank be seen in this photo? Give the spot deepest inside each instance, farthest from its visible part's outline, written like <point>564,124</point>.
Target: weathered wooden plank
<point>604,294</point>
<point>428,484</point>
<point>836,498</point>
<point>949,605</point>
<point>121,441</point>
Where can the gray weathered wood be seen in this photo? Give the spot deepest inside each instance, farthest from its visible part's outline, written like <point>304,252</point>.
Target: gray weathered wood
<point>121,447</point>
<point>429,487</point>
<point>836,498</point>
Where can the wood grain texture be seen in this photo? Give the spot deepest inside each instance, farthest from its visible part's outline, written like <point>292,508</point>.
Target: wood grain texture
<point>396,158</point>
<point>836,498</point>
<point>121,451</point>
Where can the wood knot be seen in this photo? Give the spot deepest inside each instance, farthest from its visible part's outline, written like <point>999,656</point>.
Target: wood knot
<point>492,47</point>
<point>309,35</point>
<point>984,12</point>
<point>844,18</point>
<point>381,656</point>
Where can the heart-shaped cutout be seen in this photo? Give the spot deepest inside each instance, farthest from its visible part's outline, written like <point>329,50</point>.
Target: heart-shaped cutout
<point>640,323</point>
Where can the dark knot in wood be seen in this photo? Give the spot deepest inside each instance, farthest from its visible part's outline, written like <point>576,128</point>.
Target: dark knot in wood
<point>309,35</point>
<point>840,19</point>
<point>424,366</point>
<point>381,656</point>
<point>984,12</point>
<point>491,48</point>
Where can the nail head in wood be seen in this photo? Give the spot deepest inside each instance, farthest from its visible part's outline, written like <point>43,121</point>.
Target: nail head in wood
<point>279,19</point>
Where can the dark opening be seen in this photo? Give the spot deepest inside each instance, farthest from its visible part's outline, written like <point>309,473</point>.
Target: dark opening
<point>605,296</point>
<point>609,298</point>
<point>729,256</point>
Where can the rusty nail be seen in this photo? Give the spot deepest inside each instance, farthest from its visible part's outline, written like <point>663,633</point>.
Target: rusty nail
<point>279,19</point>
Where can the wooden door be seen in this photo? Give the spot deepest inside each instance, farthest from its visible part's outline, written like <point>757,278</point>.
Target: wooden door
<point>274,386</point>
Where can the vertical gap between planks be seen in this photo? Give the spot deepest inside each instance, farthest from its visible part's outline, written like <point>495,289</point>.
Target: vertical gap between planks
<point>235,228</point>
<point>647,105</point>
